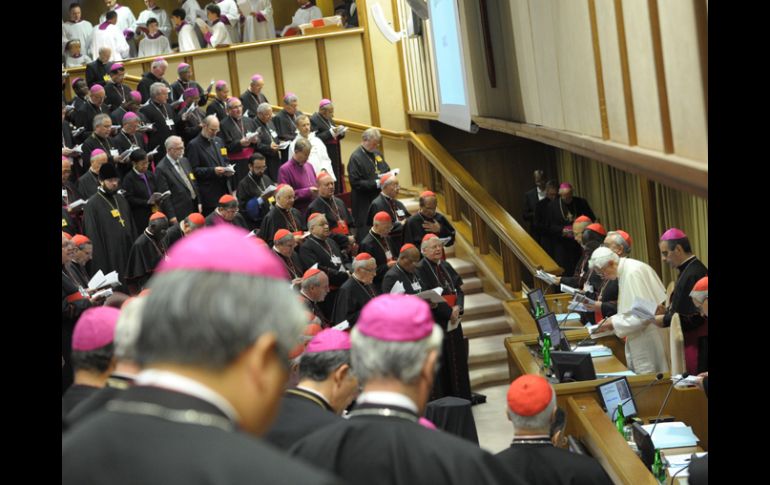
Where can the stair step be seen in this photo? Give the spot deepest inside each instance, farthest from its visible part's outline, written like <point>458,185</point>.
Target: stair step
<point>462,267</point>
<point>449,251</point>
<point>489,375</point>
<point>488,349</point>
<point>412,205</point>
<point>472,285</point>
<point>481,304</point>
<point>479,327</point>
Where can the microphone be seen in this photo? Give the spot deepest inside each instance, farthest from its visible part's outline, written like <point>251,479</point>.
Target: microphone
<point>685,375</point>
<point>658,377</point>
<point>604,320</point>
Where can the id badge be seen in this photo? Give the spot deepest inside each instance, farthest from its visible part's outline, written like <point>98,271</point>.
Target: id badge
<point>588,288</point>
<point>113,152</point>
<point>388,255</point>
<point>169,122</point>
<point>64,192</point>
<point>63,222</point>
<point>400,213</point>
<point>416,286</point>
<point>223,151</point>
<point>273,133</point>
<point>192,176</point>
<point>336,260</point>
<point>115,213</point>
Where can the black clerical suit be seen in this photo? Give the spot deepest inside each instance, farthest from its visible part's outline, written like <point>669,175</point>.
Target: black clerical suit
<point>536,460</point>
<point>694,325</point>
<point>88,183</point>
<point>122,142</point>
<point>148,79</point>
<point>116,95</point>
<point>74,395</point>
<point>108,223</point>
<point>559,215</point>
<point>190,126</point>
<point>250,203</point>
<point>540,222</point>
<point>323,130</point>
<point>398,214</point>
<point>204,156</point>
<point>293,264</point>
<point>66,135</point>
<point>218,108</point>
<point>178,88</point>
<point>383,249</point>
<point>164,121</point>
<point>364,170</point>
<point>84,117</point>
<point>250,103</point>
<point>267,136</point>
<point>173,234</point>
<point>182,201</point>
<point>189,449</point>
<point>351,298</point>
<point>411,282</point>
<point>232,131</point>
<point>98,72</point>
<point>531,198</point>
<point>145,255</point>
<point>301,413</point>
<point>414,232</point>
<point>278,218</point>
<point>384,444</point>
<point>138,194</point>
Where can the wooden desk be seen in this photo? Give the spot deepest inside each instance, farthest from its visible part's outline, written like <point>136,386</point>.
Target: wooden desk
<point>608,447</point>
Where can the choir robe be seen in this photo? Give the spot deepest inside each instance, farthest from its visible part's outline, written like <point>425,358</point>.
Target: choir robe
<point>186,448</point>
<point>566,250</point>
<point>323,130</point>
<point>218,35</point>
<point>301,413</point>
<point>398,214</point>
<point>267,136</point>
<point>187,38</point>
<point>541,462</point>
<point>148,79</point>
<point>137,195</point>
<point>204,156</point>
<point>279,218</point>
<point>364,170</point>
<point>83,31</point>
<point>337,215</point>
<point>126,17</point>
<point>230,18</point>
<point>250,103</point>
<point>232,131</point>
<point>164,24</point>
<point>302,178</point>
<point>72,305</point>
<point>108,35</point>
<point>71,61</point>
<point>193,10</point>
<point>145,255</point>
<point>112,240</point>
<point>694,325</point>
<point>164,121</point>
<point>250,203</point>
<point>87,184</point>
<point>452,378</point>
<point>377,246</point>
<point>116,95</point>
<point>98,72</point>
<point>414,232</point>
<point>154,46</point>
<point>73,396</point>
<point>215,219</point>
<point>122,142</point>
<point>84,116</point>
<point>303,15</point>
<point>179,86</point>
<point>218,108</point>
<point>182,203</point>
<point>351,298</point>
<point>255,29</point>
<point>383,450</point>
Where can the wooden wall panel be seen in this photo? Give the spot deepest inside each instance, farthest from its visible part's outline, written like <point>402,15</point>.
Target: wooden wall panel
<point>257,61</point>
<point>397,155</point>
<point>546,62</point>
<point>525,64</point>
<point>612,71</point>
<point>347,79</point>
<point>212,66</point>
<point>300,74</point>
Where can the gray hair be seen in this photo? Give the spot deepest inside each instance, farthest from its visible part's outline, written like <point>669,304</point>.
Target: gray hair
<point>308,283</point>
<point>207,320</point>
<point>170,140</point>
<point>264,108</point>
<point>360,263</point>
<point>428,242</point>
<point>311,223</point>
<point>318,366</point>
<point>302,118</point>
<point>157,63</point>
<point>377,359</point>
<point>601,257</point>
<point>539,422</point>
<point>289,98</point>
<point>618,241</point>
<point>390,180</point>
<point>302,145</point>
<point>371,134</point>
<point>127,329</point>
<point>209,119</point>
<point>155,89</point>
<point>104,49</point>
<point>99,119</point>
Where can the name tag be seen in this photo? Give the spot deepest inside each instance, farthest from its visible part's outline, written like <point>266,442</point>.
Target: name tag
<point>271,200</point>
<point>63,222</point>
<point>378,158</point>
<point>64,192</point>
<point>169,122</point>
<point>588,288</point>
<point>114,152</point>
<point>274,134</point>
<point>223,151</point>
<point>336,261</point>
<point>115,213</point>
<point>106,77</point>
<point>416,286</point>
<point>388,255</point>
<point>191,175</point>
<point>400,213</point>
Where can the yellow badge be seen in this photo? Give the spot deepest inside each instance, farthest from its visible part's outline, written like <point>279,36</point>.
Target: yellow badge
<point>271,200</point>
<point>155,209</point>
<point>106,77</point>
<point>378,158</point>
<point>192,176</point>
<point>115,213</point>
<point>223,150</point>
<point>63,222</point>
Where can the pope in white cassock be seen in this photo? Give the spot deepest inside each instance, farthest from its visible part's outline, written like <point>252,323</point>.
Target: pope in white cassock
<point>107,34</point>
<point>645,353</point>
<point>319,157</point>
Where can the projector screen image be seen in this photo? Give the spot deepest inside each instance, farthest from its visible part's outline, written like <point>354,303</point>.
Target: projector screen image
<point>450,69</point>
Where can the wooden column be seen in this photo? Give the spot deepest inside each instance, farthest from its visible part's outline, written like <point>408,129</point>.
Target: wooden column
<point>374,107</point>
<point>280,90</point>
<point>479,229</point>
<point>323,68</point>
<point>650,211</point>
<point>452,202</point>
<point>235,83</point>
<point>511,273</point>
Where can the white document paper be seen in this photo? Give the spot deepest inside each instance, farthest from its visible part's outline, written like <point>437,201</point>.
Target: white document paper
<point>433,295</point>
<point>96,280</point>
<point>76,204</point>
<point>77,148</point>
<point>547,277</point>
<point>644,309</point>
<point>145,127</point>
<point>284,145</point>
<point>128,152</point>
<point>567,289</point>
<point>342,326</point>
<point>678,462</point>
<point>594,350</point>
<point>672,435</point>
<point>154,152</point>
<point>202,25</point>
<point>398,289</point>
<point>315,266</point>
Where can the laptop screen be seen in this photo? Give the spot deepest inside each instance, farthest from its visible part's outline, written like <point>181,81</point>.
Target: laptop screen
<point>615,392</point>
<point>548,323</point>
<point>537,296</point>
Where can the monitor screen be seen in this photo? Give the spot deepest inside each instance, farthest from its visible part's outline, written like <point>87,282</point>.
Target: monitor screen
<point>573,366</point>
<point>537,296</point>
<point>548,323</point>
<point>615,392</point>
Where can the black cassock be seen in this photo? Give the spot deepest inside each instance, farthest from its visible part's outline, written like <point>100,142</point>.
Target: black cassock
<point>231,132</point>
<point>267,136</point>
<point>96,72</point>
<point>383,250</point>
<point>190,127</point>
<point>338,217</point>
<point>300,414</point>
<point>541,462</point>
<point>411,282</point>
<point>72,305</point>
<point>250,203</point>
<point>148,79</point>
<point>251,102</point>
<point>315,308</point>
<point>587,280</point>
<point>189,448</point>
<point>204,156</point>
<point>567,251</point>
<point>112,239</point>
<point>116,95</point>
<point>414,232</point>
<point>76,394</point>
<point>145,255</point>
<point>376,449</point>
<point>278,218</point>
<point>137,194</point>
<point>173,235</point>
<point>178,87</point>
<point>351,298</point>
<point>694,325</point>
<point>317,251</point>
<point>215,219</point>
<point>218,108</point>
<point>452,378</point>
<point>541,226</point>
<point>164,121</point>
<point>88,183</point>
<point>293,264</point>
<point>84,117</point>
<point>122,142</point>
<point>92,143</point>
<point>364,169</point>
<point>323,130</point>
<point>398,214</point>
<point>286,127</point>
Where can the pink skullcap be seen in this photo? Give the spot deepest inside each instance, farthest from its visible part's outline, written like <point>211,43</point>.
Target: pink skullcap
<point>63,158</point>
<point>396,318</point>
<point>624,235</point>
<point>702,284</point>
<point>182,67</point>
<point>95,328</point>
<point>136,96</point>
<point>672,234</point>
<point>565,185</point>
<point>158,59</point>
<point>220,84</point>
<point>427,193</point>
<point>382,216</point>
<point>407,246</point>
<point>328,340</point>
<point>223,248</point>
<point>583,219</point>
<point>324,102</point>
<point>289,93</point>
<point>117,66</point>
<point>76,80</point>
<point>426,423</point>
<point>96,88</point>
<point>130,116</point>
<point>363,257</point>
<point>97,152</point>
<point>256,77</point>
<point>528,395</point>
<point>189,92</point>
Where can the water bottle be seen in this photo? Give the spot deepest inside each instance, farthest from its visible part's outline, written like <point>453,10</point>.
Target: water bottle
<point>547,352</point>
<point>658,470</point>
<point>620,420</point>
<point>539,312</point>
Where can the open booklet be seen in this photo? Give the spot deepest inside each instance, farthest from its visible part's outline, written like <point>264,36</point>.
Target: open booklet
<point>77,204</point>
<point>100,280</point>
<point>77,148</point>
<point>145,127</point>
<point>644,309</point>
<point>178,101</point>
<point>128,152</point>
<point>284,145</point>
<point>202,25</point>
<point>398,288</point>
<point>342,326</point>
<point>432,295</point>
<point>547,277</point>
<point>268,190</point>
<point>229,168</point>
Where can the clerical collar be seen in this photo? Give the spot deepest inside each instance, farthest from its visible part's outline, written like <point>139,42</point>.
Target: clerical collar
<point>179,383</point>
<point>155,36</point>
<point>179,28</point>
<point>314,393</point>
<point>385,195</point>
<point>103,25</point>
<point>532,440</point>
<point>685,263</point>
<point>540,193</point>
<point>387,398</point>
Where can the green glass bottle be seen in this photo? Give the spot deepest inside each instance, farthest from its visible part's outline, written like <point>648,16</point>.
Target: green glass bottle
<point>539,312</point>
<point>658,470</point>
<point>620,420</point>
<point>547,352</point>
